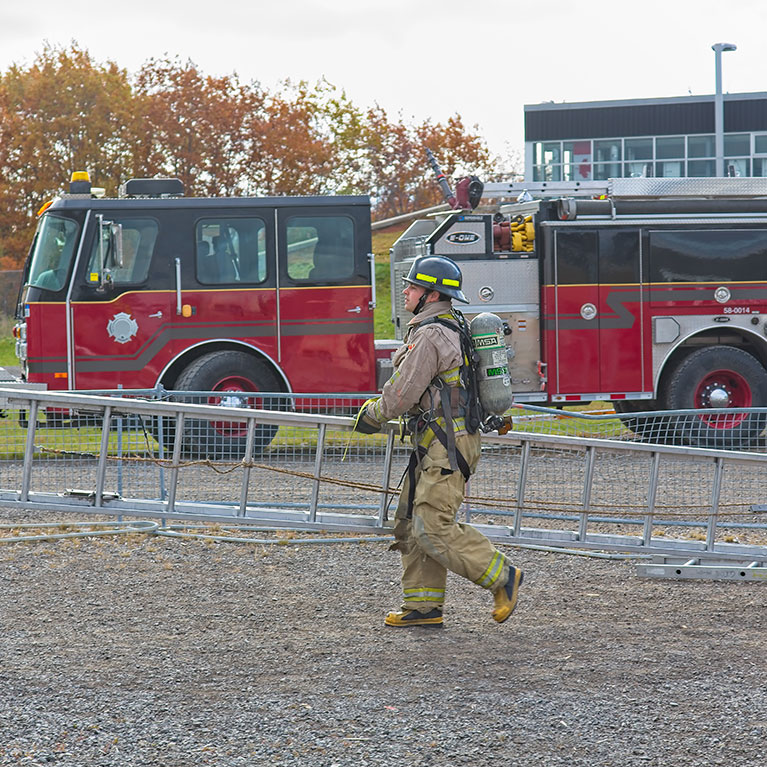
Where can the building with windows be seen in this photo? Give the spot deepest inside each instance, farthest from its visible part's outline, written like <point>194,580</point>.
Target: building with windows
<point>668,137</point>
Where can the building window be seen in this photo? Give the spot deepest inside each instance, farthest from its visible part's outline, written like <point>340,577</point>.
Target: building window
<point>548,161</point>
<point>639,149</point>
<point>701,146</point>
<point>737,144</point>
<point>698,168</point>
<point>607,159</point>
<point>669,147</point>
<point>737,166</point>
<point>662,156</point>
<point>638,153</point>
<point>577,158</point>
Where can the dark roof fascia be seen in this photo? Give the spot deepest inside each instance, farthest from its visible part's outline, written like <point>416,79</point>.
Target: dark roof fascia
<point>743,112</point>
<point>549,106</point>
<point>153,203</point>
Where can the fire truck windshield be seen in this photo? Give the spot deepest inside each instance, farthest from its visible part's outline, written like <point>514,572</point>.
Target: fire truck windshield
<point>52,252</point>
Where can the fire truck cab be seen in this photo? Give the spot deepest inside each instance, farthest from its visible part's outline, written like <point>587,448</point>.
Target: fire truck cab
<point>229,294</point>
<point>652,296</point>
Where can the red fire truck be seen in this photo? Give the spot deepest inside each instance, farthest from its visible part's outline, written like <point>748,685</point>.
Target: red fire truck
<point>230,294</point>
<point>653,297</point>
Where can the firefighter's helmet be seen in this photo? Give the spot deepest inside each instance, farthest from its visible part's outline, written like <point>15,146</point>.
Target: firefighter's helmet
<point>438,273</point>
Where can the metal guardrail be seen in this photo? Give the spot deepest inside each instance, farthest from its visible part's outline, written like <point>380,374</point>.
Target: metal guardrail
<point>559,479</point>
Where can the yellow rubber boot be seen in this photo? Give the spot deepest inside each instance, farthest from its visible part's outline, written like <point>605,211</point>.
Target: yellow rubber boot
<point>506,598</point>
<point>414,618</point>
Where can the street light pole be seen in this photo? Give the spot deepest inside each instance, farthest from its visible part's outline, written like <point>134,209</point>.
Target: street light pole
<point>719,105</point>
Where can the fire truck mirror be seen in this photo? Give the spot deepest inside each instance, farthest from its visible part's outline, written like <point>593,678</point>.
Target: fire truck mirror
<point>116,235</point>
<point>110,253</point>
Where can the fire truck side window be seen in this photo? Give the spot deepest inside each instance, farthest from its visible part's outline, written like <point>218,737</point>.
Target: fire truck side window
<point>576,262</point>
<point>320,248</point>
<point>52,252</point>
<point>711,255</point>
<point>139,236</point>
<point>230,250</point>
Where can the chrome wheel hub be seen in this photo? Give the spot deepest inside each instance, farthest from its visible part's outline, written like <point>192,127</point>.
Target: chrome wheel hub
<point>716,396</point>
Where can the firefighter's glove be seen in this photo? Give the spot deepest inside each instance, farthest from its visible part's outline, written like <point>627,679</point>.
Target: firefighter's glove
<point>365,422</point>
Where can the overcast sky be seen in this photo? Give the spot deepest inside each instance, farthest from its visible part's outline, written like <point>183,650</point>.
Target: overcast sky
<point>484,59</point>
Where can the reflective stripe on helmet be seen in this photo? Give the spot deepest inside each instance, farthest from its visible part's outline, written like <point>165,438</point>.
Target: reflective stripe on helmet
<point>445,280</point>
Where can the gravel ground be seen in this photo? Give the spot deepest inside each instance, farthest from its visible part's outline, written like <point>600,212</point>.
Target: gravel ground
<point>150,651</point>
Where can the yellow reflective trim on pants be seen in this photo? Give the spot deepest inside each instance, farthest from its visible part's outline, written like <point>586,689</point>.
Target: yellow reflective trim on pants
<point>493,572</point>
<point>424,595</point>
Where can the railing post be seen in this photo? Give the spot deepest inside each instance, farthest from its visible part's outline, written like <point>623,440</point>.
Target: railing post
<point>715,494</point>
<point>175,462</point>
<point>248,459</point>
<point>383,506</point>
<point>29,450</point>
<point>321,431</point>
<point>586,497</point>
<point>119,453</point>
<point>103,452</point>
<point>521,483</point>
<point>652,492</point>
<point>161,453</point>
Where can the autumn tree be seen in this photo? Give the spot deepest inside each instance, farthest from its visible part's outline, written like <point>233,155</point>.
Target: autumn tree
<point>62,113</point>
<point>401,180</point>
<point>285,153</point>
<point>193,126</point>
<point>219,135</point>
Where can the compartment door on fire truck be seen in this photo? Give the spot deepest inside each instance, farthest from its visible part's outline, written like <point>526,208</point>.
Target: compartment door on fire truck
<point>325,314</point>
<point>120,309</point>
<point>598,296</point>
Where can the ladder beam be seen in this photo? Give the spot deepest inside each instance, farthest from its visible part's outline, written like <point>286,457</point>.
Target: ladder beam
<point>546,462</point>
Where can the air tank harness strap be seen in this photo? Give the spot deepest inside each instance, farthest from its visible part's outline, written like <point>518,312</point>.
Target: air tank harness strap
<point>449,432</point>
<point>419,451</point>
<point>445,436</point>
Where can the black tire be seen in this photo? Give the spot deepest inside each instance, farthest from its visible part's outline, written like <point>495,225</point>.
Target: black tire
<point>718,376</point>
<point>226,371</point>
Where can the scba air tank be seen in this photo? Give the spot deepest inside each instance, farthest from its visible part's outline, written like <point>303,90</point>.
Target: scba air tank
<point>487,336</point>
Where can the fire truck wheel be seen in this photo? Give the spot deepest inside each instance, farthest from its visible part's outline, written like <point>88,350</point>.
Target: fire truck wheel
<point>228,372</point>
<point>718,377</point>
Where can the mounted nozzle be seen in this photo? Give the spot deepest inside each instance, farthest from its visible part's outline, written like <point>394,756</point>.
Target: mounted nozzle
<point>447,192</point>
<point>468,191</point>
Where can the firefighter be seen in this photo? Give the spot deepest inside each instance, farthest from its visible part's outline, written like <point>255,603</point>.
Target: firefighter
<point>426,390</point>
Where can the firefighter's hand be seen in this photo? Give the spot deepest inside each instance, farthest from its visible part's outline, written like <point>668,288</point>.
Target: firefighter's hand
<point>506,425</point>
<point>365,423</point>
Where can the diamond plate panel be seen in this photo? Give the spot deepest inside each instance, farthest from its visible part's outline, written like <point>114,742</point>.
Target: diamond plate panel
<point>688,187</point>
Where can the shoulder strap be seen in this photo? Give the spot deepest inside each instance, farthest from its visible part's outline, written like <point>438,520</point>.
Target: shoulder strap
<point>441,319</point>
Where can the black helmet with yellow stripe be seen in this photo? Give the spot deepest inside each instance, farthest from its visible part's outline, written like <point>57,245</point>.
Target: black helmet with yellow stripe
<point>438,273</point>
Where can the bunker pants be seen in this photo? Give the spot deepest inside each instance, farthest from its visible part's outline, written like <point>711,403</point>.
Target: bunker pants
<point>431,542</point>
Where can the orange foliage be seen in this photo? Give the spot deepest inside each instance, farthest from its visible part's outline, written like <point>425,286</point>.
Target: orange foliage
<point>220,136</point>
